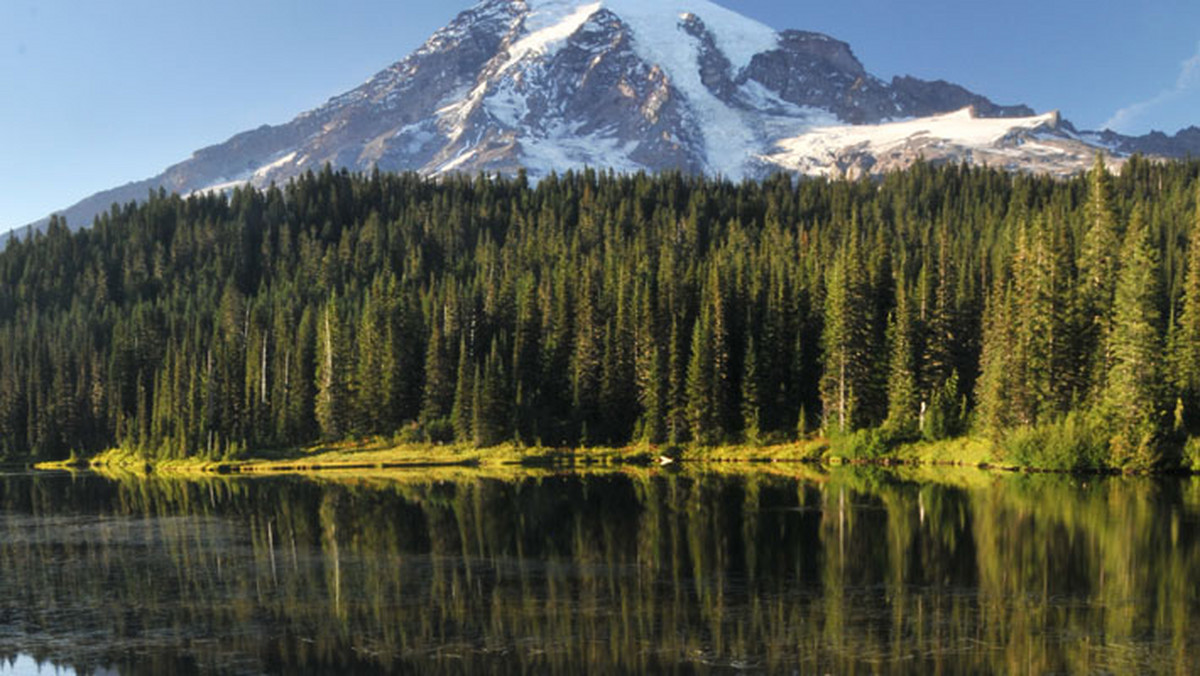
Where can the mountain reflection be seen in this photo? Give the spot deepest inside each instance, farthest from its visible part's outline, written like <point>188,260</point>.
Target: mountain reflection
<point>689,572</point>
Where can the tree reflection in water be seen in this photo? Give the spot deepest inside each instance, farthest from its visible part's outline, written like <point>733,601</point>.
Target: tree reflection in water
<point>851,570</point>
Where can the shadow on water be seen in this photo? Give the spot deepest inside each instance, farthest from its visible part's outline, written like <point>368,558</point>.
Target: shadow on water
<point>645,571</point>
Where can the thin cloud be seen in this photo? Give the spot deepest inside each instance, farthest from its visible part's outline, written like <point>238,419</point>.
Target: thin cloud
<point>1187,81</point>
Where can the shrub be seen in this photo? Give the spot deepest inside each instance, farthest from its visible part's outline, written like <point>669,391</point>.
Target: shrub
<point>869,444</point>
<point>412,433</point>
<point>1069,444</point>
<point>439,431</point>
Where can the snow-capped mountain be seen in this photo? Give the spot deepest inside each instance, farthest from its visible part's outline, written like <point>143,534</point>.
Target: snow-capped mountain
<point>550,85</point>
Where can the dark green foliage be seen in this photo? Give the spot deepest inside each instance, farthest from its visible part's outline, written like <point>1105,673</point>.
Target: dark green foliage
<point>333,393</point>
<point>853,365</point>
<point>492,401</point>
<point>946,415</point>
<point>1133,396</point>
<point>1031,343</point>
<point>1074,443</point>
<point>903,406</point>
<point>1098,264</point>
<point>438,397</point>
<point>1185,336</point>
<point>751,402</point>
<point>701,404</point>
<point>600,309</point>
<point>462,414</point>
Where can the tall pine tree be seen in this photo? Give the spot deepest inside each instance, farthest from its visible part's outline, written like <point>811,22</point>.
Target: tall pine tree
<point>1097,278</point>
<point>1132,400</point>
<point>1185,338</point>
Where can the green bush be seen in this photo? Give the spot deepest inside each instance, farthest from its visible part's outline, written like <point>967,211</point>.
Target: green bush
<point>869,444</point>
<point>437,431</point>
<point>1072,443</point>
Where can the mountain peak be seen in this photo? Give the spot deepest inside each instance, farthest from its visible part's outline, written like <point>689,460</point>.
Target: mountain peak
<point>656,23</point>
<point>836,52</point>
<point>630,85</point>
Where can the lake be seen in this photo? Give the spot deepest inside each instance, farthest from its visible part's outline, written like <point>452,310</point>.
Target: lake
<point>791,569</point>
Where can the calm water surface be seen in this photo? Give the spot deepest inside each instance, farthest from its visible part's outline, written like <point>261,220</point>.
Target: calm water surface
<point>802,572</point>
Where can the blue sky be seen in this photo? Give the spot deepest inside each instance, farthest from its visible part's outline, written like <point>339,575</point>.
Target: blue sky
<point>97,94</point>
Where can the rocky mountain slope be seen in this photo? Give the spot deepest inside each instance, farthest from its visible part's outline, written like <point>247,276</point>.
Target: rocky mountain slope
<point>549,85</point>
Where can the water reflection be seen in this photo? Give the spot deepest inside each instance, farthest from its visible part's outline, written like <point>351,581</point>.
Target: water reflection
<point>628,572</point>
<point>24,665</point>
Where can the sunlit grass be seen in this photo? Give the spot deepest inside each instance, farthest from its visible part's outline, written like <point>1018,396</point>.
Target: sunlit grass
<point>373,456</point>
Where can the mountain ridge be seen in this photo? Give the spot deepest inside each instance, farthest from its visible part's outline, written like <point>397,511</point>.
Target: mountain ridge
<point>548,85</point>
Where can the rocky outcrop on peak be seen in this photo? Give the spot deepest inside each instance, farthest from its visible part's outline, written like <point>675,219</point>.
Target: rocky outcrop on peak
<point>1183,144</point>
<point>922,98</point>
<point>811,69</point>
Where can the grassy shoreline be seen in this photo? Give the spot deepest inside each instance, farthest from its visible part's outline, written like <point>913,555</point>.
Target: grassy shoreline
<point>374,455</point>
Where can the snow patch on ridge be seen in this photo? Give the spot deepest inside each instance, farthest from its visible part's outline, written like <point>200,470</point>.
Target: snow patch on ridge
<point>656,23</point>
<point>563,146</point>
<point>258,177</point>
<point>264,170</point>
<point>507,106</point>
<point>548,27</point>
<point>817,150</point>
<point>220,187</point>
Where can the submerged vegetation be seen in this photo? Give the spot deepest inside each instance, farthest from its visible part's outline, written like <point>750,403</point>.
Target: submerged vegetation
<point>1055,322</point>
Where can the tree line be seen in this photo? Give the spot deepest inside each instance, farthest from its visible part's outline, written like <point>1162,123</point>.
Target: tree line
<point>1059,317</point>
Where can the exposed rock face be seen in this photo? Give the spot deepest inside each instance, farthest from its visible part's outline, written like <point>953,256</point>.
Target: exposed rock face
<point>1185,143</point>
<point>550,85</point>
<point>921,98</point>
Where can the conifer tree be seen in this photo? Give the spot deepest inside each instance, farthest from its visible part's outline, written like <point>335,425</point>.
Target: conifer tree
<point>946,413</point>
<point>701,404</point>
<point>941,321</point>
<point>1043,283</point>
<point>850,372</point>
<point>751,401</point>
<point>1097,277</point>
<point>1185,338</point>
<point>369,391</point>
<point>332,400</point>
<point>462,414</point>
<point>677,388</point>
<point>440,381</point>
<point>302,422</point>
<point>651,371</point>
<point>720,379</point>
<point>588,358</point>
<point>1132,400</point>
<point>525,369</point>
<point>491,401</point>
<point>902,392</point>
<point>999,365</point>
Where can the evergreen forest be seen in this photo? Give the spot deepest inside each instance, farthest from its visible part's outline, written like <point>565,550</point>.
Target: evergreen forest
<point>1059,319</point>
